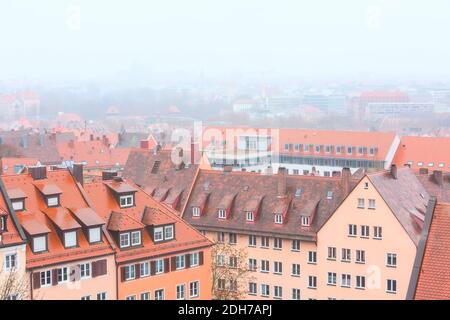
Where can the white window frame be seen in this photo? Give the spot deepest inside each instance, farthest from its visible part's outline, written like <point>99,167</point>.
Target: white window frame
<point>72,241</point>
<point>222,213</point>
<point>372,204</point>
<point>352,230</point>
<point>180,292</point>
<point>157,231</point>
<point>133,243</point>
<point>145,295</point>
<point>377,230</point>
<point>180,262</point>
<point>85,270</point>
<point>144,269</point>
<point>124,239</point>
<point>312,257</point>
<point>392,257</point>
<point>127,202</point>
<point>102,296</point>
<point>265,290</point>
<point>159,294</point>
<point>130,272</point>
<point>361,203</point>
<point>365,231</point>
<point>172,234</point>
<point>252,288</point>
<point>20,202</point>
<point>64,273</point>
<point>277,292</point>
<point>333,277</point>
<point>278,218</point>
<point>331,253</point>
<point>194,289</point>
<point>95,235</point>
<point>312,282</point>
<point>11,262</point>
<point>250,216</point>
<point>296,247</point>
<point>195,211</point>
<point>52,201</point>
<point>296,270</point>
<point>391,282</point>
<point>159,266</point>
<point>346,280</point>
<point>43,246</point>
<point>252,240</point>
<point>305,221</point>
<point>194,262</point>
<point>358,284</point>
<point>46,281</point>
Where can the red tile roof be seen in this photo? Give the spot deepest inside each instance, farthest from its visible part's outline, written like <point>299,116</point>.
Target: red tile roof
<point>62,218</point>
<point>434,276</point>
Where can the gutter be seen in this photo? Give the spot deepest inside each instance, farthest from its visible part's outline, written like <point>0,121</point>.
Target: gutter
<point>421,250</point>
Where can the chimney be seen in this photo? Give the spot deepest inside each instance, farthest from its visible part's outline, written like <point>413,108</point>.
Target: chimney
<point>144,144</point>
<point>345,178</point>
<point>108,175</point>
<point>38,172</point>
<point>336,174</point>
<point>437,176</point>
<point>192,152</point>
<point>394,171</point>
<point>227,168</point>
<point>77,172</point>
<point>281,182</point>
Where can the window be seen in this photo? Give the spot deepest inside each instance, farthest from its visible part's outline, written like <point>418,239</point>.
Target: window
<point>145,296</point>
<point>130,272</point>
<point>286,146</point>
<point>441,165</point>
<point>135,238</point>
<point>297,147</point>
<point>277,292</point>
<point>195,211</point>
<point>278,218</point>
<point>349,150</point>
<point>317,148</point>
<point>85,270</point>
<point>10,262</point>
<point>329,195</point>
<point>126,201</point>
<point>371,151</point>
<point>232,262</point>
<point>346,280</point>
<point>53,201</point>
<point>145,269</point>
<point>295,171</point>
<point>419,164</point>
<point>70,239</point>
<point>159,266</point>
<point>391,260</point>
<point>220,236</point>
<point>377,233</point>
<point>306,148</point>
<point>195,259</point>
<point>252,241</point>
<point>338,149</point>
<point>168,232</point>
<point>305,221</point>
<point>295,245</point>
<point>221,284</point>
<point>327,148</point>
<point>252,264</point>
<point>233,285</point>
<point>95,235</point>
<point>295,294</point>
<point>265,266</point>
<point>331,279</point>
<point>331,253</point>
<point>252,288</point>
<point>295,270</point>
<point>89,298</point>
<point>222,213</point>
<point>220,260</point>
<point>232,238</point>
<point>158,234</point>
<point>18,205</point>
<point>365,232</point>
<point>360,150</point>
<point>46,278</point>
<point>101,296</point>
<point>366,185</point>
<point>278,267</point>
<point>360,256</point>
<point>346,255</point>
<point>180,262</point>
<point>361,203</point>
<point>352,230</point>
<point>430,164</point>
<point>124,240</point>
<point>63,275</point>
<point>312,257</point>
<point>371,204</point>
<point>39,244</point>
<point>159,294</point>
<point>360,282</point>
<point>180,292</point>
<point>391,286</point>
<point>277,243</point>
<point>265,290</point>
<point>264,242</point>
<point>194,289</point>
<point>312,282</point>
<point>250,216</point>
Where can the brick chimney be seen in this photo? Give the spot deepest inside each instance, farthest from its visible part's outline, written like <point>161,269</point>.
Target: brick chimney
<point>438,178</point>
<point>394,173</point>
<point>108,175</point>
<point>281,181</point>
<point>345,178</point>
<point>77,172</point>
<point>38,172</point>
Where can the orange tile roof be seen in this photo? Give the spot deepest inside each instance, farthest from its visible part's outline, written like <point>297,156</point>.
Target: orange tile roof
<point>87,216</point>
<point>8,164</point>
<point>119,221</point>
<point>426,150</point>
<point>434,276</point>
<point>62,218</point>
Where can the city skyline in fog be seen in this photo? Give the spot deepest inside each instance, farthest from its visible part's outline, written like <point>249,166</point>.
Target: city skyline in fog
<point>87,40</point>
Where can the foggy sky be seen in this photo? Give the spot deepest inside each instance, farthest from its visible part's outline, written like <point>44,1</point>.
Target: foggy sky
<point>96,39</point>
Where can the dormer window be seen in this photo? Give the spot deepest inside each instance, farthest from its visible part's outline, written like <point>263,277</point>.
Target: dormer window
<point>2,223</point>
<point>330,195</point>
<point>278,218</point>
<point>158,234</point>
<point>195,211</point>
<point>168,232</point>
<point>127,239</point>
<point>164,233</point>
<point>52,201</point>
<point>250,216</point>
<point>135,238</point>
<point>305,221</point>
<point>222,213</point>
<point>18,205</point>
<point>70,239</point>
<point>124,240</point>
<point>95,235</point>
<point>39,244</point>
<point>126,201</point>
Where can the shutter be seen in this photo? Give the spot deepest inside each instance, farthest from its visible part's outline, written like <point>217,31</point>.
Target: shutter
<point>122,271</point>
<point>200,258</point>
<point>103,266</point>
<point>36,280</point>
<point>187,260</point>
<point>166,264</point>
<point>173,264</point>
<point>77,272</point>
<point>54,277</point>
<point>137,270</point>
<point>152,267</point>
<point>72,273</point>
<point>94,269</point>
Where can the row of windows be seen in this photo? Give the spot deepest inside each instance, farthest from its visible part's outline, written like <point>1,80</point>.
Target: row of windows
<point>194,292</point>
<point>62,274</point>
<point>100,296</point>
<point>360,256</point>
<point>330,148</point>
<point>362,204</point>
<point>265,291</point>
<point>331,162</point>
<point>277,267</point>
<point>360,283</point>
<point>365,231</point>
<point>264,241</point>
<point>430,164</point>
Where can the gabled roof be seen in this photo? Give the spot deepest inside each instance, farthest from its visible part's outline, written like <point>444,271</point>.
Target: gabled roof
<point>48,188</point>
<point>34,225</point>
<point>120,187</point>
<point>16,193</point>
<point>154,216</point>
<point>62,218</point>
<point>123,222</point>
<point>87,216</point>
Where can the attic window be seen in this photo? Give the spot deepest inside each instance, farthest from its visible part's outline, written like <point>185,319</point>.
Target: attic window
<point>195,211</point>
<point>53,201</point>
<point>155,167</point>
<point>163,233</point>
<point>330,195</point>
<point>250,216</point>
<point>222,213</point>
<point>95,235</point>
<point>70,239</point>
<point>2,223</point>
<point>305,221</point>
<point>279,218</point>
<point>18,205</point>
<point>126,201</point>
<point>39,244</point>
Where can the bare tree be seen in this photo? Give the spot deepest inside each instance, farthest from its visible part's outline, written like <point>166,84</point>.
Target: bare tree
<point>13,285</point>
<point>230,272</point>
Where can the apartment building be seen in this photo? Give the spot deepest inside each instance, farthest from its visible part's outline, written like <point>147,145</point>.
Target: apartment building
<point>68,254</point>
<point>158,255</point>
<point>274,218</point>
